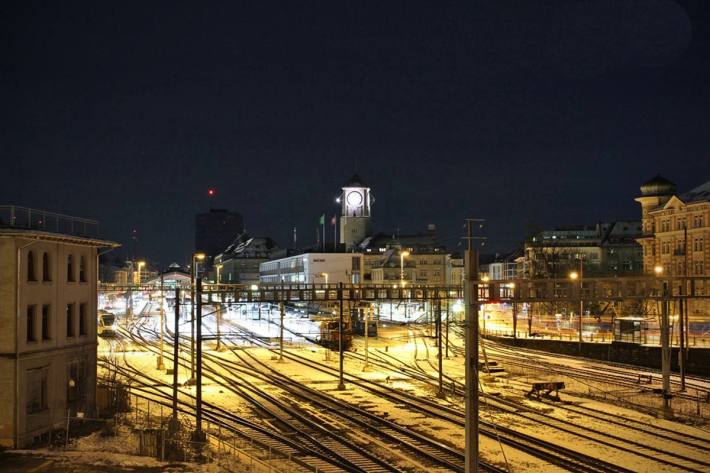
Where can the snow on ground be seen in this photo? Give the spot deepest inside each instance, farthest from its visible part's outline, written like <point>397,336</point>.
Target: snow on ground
<point>409,345</point>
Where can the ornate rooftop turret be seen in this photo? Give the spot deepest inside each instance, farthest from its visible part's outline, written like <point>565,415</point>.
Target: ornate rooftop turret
<point>657,186</point>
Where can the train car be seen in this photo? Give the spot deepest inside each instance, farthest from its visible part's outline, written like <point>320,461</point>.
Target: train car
<point>106,326</point>
<point>330,335</point>
<point>359,324</point>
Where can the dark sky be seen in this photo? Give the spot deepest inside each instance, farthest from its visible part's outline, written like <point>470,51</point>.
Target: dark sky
<point>521,112</point>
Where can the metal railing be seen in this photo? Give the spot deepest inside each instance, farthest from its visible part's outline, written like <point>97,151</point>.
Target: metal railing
<point>13,216</point>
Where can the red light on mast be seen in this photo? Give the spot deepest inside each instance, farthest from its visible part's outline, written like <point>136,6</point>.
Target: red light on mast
<point>211,192</point>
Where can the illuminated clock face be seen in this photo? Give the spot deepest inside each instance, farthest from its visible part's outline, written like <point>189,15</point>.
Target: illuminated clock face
<point>354,199</point>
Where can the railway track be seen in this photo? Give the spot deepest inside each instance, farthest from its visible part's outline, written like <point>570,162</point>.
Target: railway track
<point>608,435</point>
<point>555,454</point>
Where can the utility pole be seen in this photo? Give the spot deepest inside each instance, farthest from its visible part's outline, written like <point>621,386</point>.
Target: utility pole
<point>683,313</point>
<point>218,316</point>
<point>176,344</point>
<point>441,393</point>
<point>471,350</point>
<point>515,321</point>
<point>282,310</point>
<point>191,381</point>
<point>367,350</point>
<point>581,301</point>
<point>161,365</point>
<point>341,380</point>
<point>665,353</point>
<point>199,436</point>
<point>447,328</point>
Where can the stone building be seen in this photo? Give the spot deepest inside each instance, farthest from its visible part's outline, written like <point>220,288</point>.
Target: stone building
<point>676,228</point>
<point>48,315</point>
<point>422,259</point>
<point>239,263</point>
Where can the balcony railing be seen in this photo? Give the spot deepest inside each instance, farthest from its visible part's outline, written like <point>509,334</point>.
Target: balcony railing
<point>13,216</point>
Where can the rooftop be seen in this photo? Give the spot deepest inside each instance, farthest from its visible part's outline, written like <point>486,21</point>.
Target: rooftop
<point>24,218</point>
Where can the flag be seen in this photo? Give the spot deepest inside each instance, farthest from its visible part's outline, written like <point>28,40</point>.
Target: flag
<point>332,220</point>
<point>322,220</point>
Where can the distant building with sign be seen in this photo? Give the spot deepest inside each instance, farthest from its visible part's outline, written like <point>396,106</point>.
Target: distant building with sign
<point>313,268</point>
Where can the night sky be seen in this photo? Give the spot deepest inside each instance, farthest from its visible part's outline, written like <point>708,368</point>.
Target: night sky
<point>521,112</point>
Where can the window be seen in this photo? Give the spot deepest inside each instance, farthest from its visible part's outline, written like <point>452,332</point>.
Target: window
<point>697,221</point>
<point>698,244</point>
<point>699,268</point>
<point>31,323</point>
<point>31,266</point>
<point>82,268</point>
<point>36,390</point>
<point>45,322</point>
<point>82,319</point>
<point>70,320</point>
<point>45,267</point>
<point>680,224</point>
<point>70,268</point>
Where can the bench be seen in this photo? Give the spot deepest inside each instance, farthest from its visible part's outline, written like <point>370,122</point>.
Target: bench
<point>547,386</point>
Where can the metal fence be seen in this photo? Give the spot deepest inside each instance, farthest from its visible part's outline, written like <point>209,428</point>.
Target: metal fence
<point>13,216</point>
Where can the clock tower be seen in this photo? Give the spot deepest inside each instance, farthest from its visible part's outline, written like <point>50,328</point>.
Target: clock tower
<point>355,202</point>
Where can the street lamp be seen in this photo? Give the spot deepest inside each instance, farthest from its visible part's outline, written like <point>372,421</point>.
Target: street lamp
<point>485,279</point>
<point>574,276</point>
<point>325,275</point>
<point>402,255</point>
<point>217,268</point>
<point>665,345</point>
<point>140,265</point>
<point>193,274</point>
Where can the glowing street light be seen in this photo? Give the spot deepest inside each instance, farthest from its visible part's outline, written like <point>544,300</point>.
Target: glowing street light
<point>402,255</point>
<point>193,274</point>
<point>658,269</point>
<point>325,275</point>
<point>140,265</point>
<point>217,268</point>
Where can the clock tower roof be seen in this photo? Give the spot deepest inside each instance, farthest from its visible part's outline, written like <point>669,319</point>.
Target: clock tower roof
<point>355,181</point>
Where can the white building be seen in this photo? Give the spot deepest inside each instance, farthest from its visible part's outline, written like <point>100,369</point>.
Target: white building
<point>48,315</point>
<point>313,268</point>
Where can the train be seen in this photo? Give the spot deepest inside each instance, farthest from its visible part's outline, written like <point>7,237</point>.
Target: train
<point>106,326</point>
<point>330,334</point>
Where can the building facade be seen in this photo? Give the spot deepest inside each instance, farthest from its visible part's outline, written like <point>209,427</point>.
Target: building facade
<point>419,256</point>
<point>676,228</point>
<point>313,268</point>
<point>240,262</point>
<point>606,249</point>
<point>48,318</point>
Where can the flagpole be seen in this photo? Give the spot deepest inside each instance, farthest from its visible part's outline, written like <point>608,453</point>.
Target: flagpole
<point>335,234</point>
